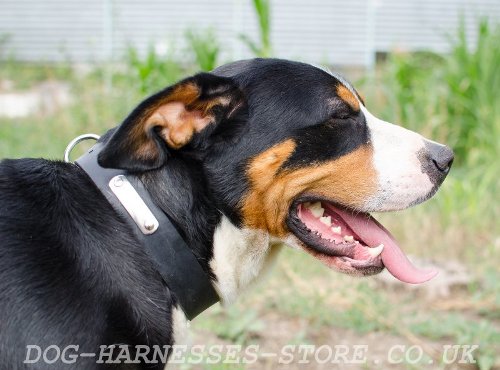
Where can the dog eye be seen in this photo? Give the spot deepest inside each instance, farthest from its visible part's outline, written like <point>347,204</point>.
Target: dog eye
<point>339,118</point>
<point>343,116</point>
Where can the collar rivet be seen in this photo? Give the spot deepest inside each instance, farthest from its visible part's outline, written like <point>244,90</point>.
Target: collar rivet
<point>118,181</point>
<point>149,225</point>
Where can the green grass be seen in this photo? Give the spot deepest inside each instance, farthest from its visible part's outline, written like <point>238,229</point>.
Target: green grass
<point>94,109</point>
<point>25,75</point>
<point>458,329</point>
<point>300,288</point>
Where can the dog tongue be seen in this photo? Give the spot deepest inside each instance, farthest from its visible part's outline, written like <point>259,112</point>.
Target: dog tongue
<point>373,234</point>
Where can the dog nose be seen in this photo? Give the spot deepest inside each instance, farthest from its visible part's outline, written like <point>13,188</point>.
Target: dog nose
<point>441,155</point>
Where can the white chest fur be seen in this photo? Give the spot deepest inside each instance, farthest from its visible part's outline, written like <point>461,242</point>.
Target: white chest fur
<point>240,257</point>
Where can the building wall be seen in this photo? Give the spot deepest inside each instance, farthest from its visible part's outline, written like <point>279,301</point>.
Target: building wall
<point>320,31</point>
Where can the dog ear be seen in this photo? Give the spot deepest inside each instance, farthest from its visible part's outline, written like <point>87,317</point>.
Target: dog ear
<point>168,120</point>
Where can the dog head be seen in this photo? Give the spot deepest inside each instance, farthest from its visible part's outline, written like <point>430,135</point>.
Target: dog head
<point>291,150</point>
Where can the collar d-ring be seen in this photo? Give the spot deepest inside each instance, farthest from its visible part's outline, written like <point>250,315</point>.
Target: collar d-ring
<point>75,141</point>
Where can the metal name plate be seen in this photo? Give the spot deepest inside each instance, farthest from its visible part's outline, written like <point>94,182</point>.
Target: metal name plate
<point>134,204</point>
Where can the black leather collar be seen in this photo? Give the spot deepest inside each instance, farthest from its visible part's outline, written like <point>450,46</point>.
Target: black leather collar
<point>173,259</point>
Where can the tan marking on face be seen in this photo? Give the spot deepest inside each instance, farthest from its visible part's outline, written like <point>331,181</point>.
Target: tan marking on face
<point>346,95</point>
<point>349,180</point>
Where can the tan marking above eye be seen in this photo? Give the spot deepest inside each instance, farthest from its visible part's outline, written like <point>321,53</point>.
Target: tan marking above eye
<point>346,95</point>
<point>349,180</point>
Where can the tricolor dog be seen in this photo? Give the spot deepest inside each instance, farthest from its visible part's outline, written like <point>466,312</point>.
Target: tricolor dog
<point>243,160</point>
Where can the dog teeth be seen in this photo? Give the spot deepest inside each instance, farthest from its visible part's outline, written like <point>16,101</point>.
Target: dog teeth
<point>316,209</point>
<point>327,220</point>
<point>374,252</point>
<point>349,238</point>
<point>326,238</point>
<point>337,230</point>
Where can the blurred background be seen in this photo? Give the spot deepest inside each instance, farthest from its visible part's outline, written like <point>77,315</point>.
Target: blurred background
<point>71,67</point>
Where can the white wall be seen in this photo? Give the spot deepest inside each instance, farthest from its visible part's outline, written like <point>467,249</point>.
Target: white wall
<point>320,31</point>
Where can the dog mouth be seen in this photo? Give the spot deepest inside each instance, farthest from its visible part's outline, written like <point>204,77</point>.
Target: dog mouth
<point>351,242</point>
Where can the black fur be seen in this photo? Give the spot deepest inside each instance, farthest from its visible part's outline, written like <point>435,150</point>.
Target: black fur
<point>71,271</point>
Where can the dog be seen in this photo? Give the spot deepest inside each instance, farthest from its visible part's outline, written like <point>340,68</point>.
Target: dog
<point>252,156</point>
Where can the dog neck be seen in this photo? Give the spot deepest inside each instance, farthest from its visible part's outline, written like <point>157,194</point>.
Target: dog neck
<point>234,257</point>
<point>241,257</point>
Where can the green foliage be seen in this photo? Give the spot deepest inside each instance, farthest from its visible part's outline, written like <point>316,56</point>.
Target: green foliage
<point>262,49</point>
<point>234,324</point>
<point>473,79</point>
<point>205,47</point>
<point>452,99</point>
<point>32,74</point>
<point>463,331</point>
<point>153,72</point>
